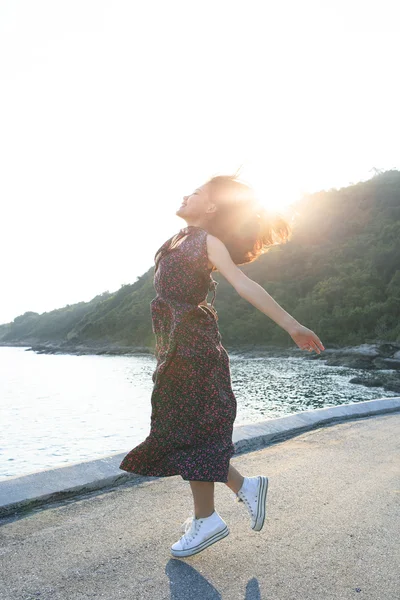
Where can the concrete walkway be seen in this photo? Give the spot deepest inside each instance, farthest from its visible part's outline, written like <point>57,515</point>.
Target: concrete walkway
<point>331,532</point>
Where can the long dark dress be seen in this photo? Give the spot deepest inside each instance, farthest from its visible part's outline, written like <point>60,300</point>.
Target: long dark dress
<point>193,405</point>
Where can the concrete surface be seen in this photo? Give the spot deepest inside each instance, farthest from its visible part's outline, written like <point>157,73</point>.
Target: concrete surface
<point>331,531</point>
<point>46,486</point>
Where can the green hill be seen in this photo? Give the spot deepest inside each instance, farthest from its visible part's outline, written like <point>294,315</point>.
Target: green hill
<point>339,275</point>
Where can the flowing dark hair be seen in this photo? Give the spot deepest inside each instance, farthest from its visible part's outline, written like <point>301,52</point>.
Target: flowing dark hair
<point>246,227</point>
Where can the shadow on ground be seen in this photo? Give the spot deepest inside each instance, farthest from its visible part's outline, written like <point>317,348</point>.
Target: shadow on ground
<point>186,582</point>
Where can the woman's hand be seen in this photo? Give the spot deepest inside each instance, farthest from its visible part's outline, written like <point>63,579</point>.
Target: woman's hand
<point>306,339</point>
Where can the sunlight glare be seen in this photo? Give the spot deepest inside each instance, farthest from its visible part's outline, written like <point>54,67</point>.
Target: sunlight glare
<point>271,187</point>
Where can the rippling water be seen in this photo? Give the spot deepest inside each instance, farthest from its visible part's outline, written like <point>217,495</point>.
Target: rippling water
<point>59,409</point>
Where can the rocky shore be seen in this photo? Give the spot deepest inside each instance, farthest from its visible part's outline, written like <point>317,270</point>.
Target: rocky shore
<point>69,348</point>
<point>380,361</point>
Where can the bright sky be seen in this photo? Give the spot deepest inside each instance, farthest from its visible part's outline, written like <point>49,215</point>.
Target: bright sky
<point>111,111</point>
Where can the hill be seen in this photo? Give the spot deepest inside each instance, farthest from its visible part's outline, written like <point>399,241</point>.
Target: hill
<point>339,275</point>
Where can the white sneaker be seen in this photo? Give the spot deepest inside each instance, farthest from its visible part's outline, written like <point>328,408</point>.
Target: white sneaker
<point>254,494</point>
<point>200,534</point>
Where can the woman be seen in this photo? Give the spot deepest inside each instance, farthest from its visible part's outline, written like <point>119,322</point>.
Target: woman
<point>193,405</point>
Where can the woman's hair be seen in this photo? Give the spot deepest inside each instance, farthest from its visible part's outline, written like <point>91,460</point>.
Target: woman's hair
<point>246,227</point>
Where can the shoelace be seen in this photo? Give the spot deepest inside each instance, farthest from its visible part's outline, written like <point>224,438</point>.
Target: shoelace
<point>190,529</point>
<point>186,524</point>
<point>238,499</point>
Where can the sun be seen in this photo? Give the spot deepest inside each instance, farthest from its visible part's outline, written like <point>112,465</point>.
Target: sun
<point>273,190</point>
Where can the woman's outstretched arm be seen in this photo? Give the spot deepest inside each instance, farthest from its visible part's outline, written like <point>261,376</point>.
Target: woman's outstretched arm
<point>257,296</point>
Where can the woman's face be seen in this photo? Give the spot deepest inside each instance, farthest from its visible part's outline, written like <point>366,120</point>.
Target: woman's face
<point>196,206</point>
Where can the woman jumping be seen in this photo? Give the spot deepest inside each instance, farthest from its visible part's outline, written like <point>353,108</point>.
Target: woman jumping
<point>193,405</point>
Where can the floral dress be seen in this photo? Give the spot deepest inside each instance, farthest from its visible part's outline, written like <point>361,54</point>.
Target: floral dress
<point>193,405</point>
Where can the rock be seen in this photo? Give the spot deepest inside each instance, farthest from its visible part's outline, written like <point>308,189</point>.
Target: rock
<point>350,361</point>
<point>390,382</point>
<point>81,349</point>
<point>364,349</point>
<point>387,349</point>
<point>367,382</point>
<point>393,386</point>
<point>386,363</point>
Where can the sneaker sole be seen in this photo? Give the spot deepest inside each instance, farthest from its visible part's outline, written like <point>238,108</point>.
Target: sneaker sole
<point>261,509</point>
<point>208,542</point>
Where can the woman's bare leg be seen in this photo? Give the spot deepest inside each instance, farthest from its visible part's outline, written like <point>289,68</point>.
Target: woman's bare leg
<point>203,492</point>
<point>203,496</point>
<point>235,479</point>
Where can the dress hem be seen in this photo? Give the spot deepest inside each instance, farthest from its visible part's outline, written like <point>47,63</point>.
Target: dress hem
<point>185,478</point>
